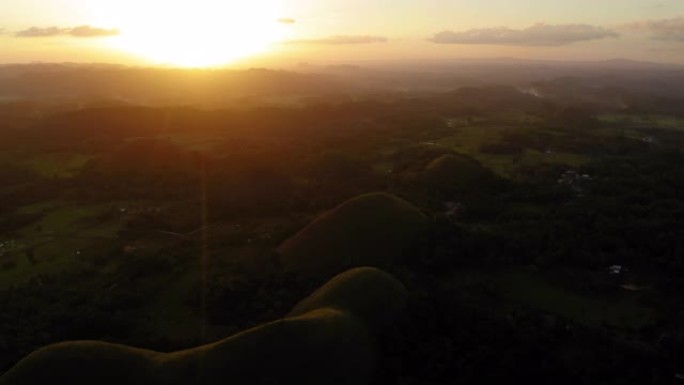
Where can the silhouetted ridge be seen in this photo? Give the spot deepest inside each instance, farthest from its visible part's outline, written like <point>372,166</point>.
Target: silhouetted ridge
<point>366,292</point>
<point>326,339</point>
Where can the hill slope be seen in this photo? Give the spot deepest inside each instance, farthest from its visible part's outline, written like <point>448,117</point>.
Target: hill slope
<point>372,229</point>
<point>326,339</point>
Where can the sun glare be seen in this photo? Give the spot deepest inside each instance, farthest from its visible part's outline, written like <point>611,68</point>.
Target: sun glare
<point>198,33</point>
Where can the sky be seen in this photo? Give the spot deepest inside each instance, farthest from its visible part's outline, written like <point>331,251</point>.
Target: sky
<point>198,33</point>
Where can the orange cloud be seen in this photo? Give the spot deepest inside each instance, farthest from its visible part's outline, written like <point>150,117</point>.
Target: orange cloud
<point>342,39</point>
<point>83,31</point>
<point>537,35</point>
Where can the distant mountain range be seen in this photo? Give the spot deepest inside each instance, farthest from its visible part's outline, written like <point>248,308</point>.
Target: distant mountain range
<point>87,83</point>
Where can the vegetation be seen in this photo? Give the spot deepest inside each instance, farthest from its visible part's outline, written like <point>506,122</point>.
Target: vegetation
<point>535,237</point>
<point>329,330</point>
<point>371,294</point>
<point>373,229</point>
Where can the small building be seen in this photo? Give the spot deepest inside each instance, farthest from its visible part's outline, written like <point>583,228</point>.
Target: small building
<point>452,209</point>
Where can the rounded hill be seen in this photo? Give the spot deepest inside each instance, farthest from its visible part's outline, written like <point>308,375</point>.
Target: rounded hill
<point>327,339</point>
<point>369,293</point>
<point>374,229</point>
<point>456,174</point>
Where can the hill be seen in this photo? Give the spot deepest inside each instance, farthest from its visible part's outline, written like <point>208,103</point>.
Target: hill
<point>326,339</point>
<point>455,174</point>
<point>373,229</point>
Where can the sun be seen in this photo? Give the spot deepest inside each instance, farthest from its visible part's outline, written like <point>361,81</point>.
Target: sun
<point>196,33</point>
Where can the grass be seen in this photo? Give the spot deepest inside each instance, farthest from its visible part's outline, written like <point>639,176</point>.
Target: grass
<point>369,230</point>
<point>60,220</point>
<point>532,157</point>
<point>38,207</point>
<point>468,139</point>
<point>168,314</point>
<point>644,121</point>
<point>368,293</point>
<point>532,289</point>
<point>57,237</point>
<point>57,165</point>
<point>335,344</point>
<point>193,142</point>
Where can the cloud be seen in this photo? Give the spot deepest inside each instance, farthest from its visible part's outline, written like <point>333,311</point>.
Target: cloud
<point>88,31</point>
<point>537,35</point>
<point>287,20</point>
<point>41,32</point>
<point>654,6</point>
<point>343,39</point>
<point>83,31</point>
<point>662,29</point>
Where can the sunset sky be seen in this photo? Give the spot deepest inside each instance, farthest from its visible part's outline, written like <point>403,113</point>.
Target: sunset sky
<point>213,32</point>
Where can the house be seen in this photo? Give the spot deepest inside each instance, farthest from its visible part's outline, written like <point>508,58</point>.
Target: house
<point>575,181</point>
<point>452,208</point>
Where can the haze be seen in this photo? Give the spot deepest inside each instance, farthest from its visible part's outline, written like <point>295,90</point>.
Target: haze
<point>277,32</point>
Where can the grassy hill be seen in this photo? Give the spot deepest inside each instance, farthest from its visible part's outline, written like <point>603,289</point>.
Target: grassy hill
<point>451,174</point>
<point>373,229</point>
<point>326,339</point>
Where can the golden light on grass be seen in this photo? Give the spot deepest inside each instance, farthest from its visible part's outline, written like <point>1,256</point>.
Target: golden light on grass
<point>193,33</point>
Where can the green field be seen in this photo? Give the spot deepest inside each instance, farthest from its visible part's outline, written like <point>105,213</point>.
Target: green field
<point>468,139</point>
<point>644,121</point>
<point>531,288</point>
<point>536,291</point>
<point>64,232</point>
<point>57,165</point>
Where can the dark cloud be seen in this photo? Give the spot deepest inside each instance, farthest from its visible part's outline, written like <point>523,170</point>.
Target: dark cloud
<point>343,39</point>
<point>80,31</point>
<point>663,29</point>
<point>287,20</point>
<point>537,35</point>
